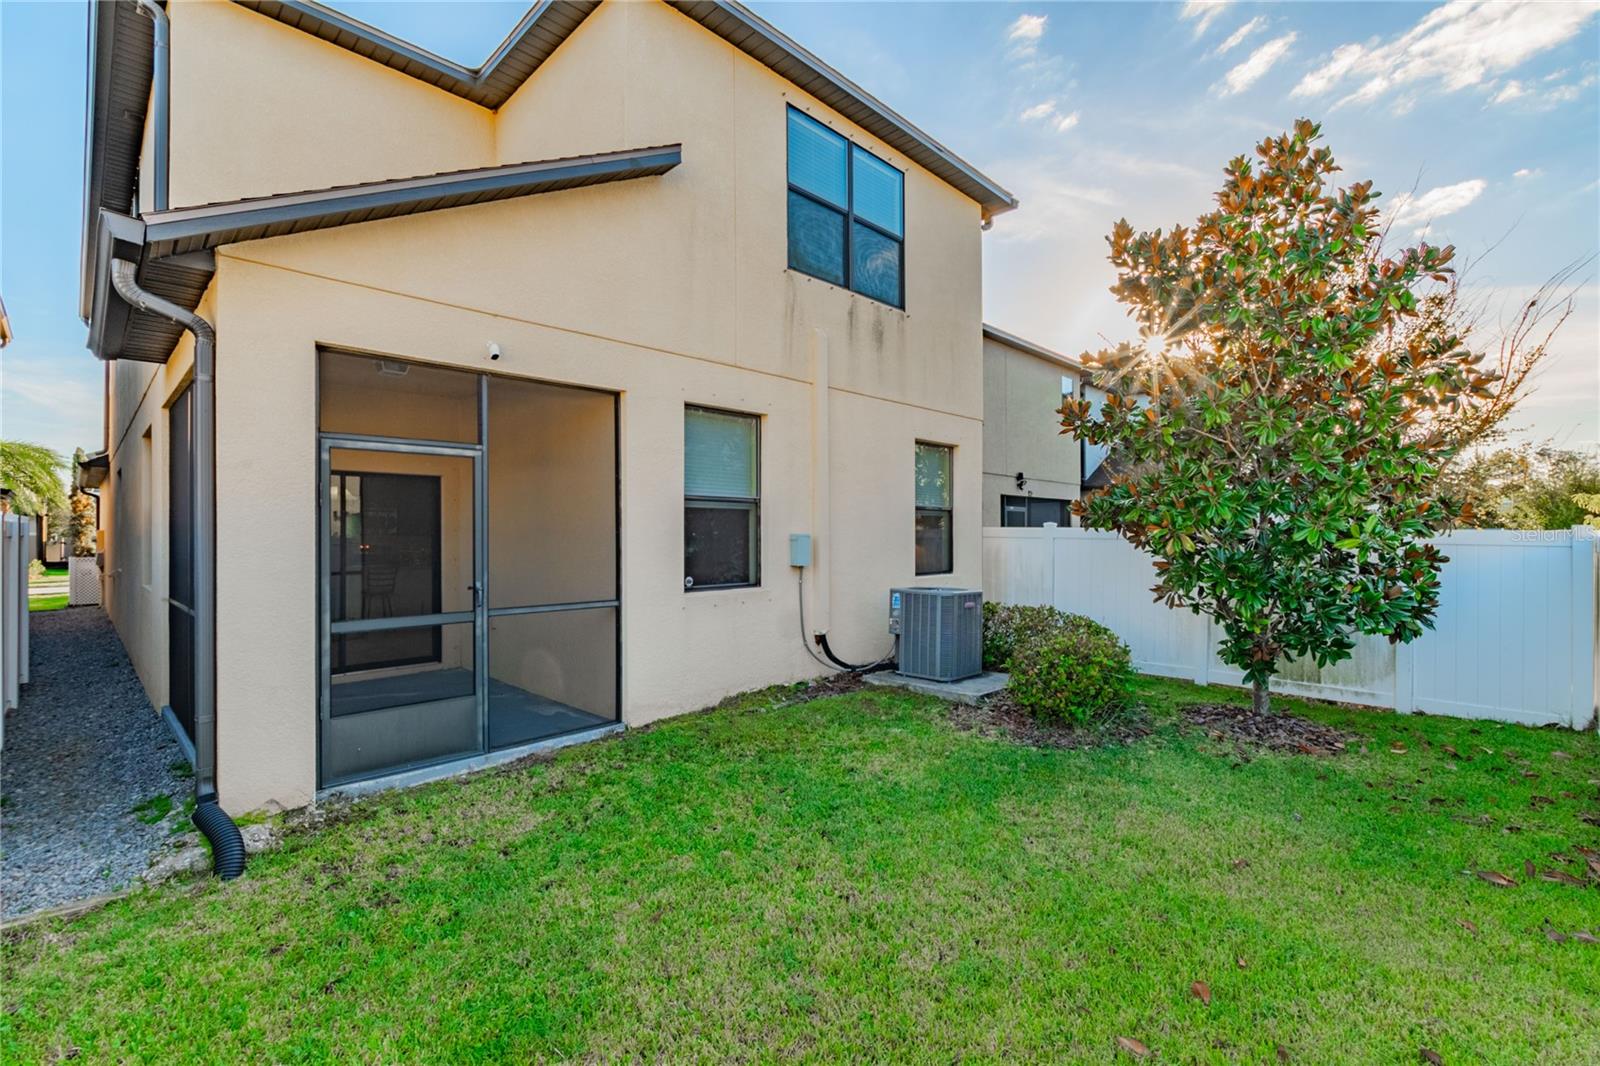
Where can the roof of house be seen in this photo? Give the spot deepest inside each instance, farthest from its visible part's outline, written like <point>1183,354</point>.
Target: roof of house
<point>548,23</point>
<point>174,248</point>
<point>120,47</point>
<point>1011,340</point>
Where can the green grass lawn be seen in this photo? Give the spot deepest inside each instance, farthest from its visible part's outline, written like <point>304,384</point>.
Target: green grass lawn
<point>854,878</point>
<point>47,603</point>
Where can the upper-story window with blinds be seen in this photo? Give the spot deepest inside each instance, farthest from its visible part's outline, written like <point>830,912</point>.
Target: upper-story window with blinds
<point>846,213</point>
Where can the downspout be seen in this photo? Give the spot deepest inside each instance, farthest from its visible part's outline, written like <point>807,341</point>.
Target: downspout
<point>227,846</point>
<point>160,101</point>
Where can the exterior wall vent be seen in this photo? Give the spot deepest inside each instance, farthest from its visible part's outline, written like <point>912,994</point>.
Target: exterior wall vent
<point>940,630</point>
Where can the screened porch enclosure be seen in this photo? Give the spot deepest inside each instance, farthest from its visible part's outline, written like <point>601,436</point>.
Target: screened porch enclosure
<point>469,579</point>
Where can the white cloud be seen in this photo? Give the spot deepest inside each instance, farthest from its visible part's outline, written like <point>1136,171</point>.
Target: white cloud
<point>1509,92</point>
<point>1047,111</point>
<point>1253,69</point>
<point>1525,172</point>
<point>1027,28</point>
<point>1236,38</point>
<point>1058,208</point>
<point>1419,212</point>
<point>1204,13</point>
<point>1454,46</point>
<point>1024,35</point>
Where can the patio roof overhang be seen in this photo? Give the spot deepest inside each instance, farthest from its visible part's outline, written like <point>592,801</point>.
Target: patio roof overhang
<point>174,248</point>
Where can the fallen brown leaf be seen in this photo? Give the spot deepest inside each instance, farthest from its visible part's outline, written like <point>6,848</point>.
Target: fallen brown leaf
<point>1397,748</point>
<point>1283,1053</point>
<point>1586,938</point>
<point>1448,750</point>
<point>1202,992</point>
<point>1494,877</point>
<point>1561,877</point>
<point>1559,755</point>
<point>1239,864</point>
<point>1467,925</point>
<point>1528,869</point>
<point>1555,936</point>
<point>1589,816</point>
<point>1431,1057</point>
<point>1133,1047</point>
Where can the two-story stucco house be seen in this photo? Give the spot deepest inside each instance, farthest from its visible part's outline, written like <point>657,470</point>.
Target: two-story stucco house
<point>504,389</point>
<point>1031,474</point>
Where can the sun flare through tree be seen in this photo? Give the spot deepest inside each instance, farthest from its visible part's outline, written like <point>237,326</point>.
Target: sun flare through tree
<point>1272,423</point>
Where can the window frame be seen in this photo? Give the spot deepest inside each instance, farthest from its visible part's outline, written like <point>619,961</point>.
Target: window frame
<point>849,212</point>
<point>949,513</point>
<point>751,503</point>
<point>1009,501</point>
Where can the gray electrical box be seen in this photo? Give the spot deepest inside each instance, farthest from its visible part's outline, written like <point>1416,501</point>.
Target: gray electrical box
<point>799,549</point>
<point>940,631</point>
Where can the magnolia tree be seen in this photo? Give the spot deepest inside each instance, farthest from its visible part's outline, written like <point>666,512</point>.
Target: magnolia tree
<point>1272,422</point>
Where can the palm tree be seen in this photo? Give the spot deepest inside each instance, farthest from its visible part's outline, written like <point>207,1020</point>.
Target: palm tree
<point>32,473</point>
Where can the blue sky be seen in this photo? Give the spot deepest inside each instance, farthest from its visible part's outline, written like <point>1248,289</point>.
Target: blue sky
<point>1486,115</point>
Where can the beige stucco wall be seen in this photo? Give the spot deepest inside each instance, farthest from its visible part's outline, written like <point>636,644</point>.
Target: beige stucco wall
<point>1021,428</point>
<point>667,291</point>
<point>259,107</point>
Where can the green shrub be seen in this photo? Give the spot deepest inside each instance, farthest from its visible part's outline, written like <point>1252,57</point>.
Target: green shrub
<point>1071,672</point>
<point>1005,623</point>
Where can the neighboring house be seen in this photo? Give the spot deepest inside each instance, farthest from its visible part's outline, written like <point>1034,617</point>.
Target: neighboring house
<point>524,376</point>
<point>1031,472</point>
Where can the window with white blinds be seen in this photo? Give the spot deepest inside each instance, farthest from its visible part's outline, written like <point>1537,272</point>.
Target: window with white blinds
<point>721,499</point>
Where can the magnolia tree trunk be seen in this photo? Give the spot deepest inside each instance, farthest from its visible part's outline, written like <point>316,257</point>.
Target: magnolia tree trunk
<point>1260,702</point>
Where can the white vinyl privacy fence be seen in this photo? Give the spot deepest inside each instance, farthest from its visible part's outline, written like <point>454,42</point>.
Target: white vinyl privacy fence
<point>1514,638</point>
<point>16,549</point>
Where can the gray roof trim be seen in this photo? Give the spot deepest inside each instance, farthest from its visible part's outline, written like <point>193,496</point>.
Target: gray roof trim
<point>174,248</point>
<point>529,44</point>
<point>548,23</point>
<point>189,229</point>
<point>1011,340</point>
<point>765,43</point>
<point>120,45</point>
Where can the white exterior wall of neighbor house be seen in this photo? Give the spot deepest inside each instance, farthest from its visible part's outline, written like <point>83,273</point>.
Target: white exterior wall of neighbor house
<point>669,291</point>
<point>1021,429</point>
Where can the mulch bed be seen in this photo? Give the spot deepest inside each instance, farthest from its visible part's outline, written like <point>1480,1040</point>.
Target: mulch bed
<point>832,685</point>
<point>999,715</point>
<point>1283,733</point>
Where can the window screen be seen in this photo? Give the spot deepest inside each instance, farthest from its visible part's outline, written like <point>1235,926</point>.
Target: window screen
<point>934,547</point>
<point>721,499</point>
<point>846,213</point>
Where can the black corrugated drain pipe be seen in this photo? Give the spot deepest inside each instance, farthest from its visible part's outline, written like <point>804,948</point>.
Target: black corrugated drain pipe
<point>227,846</point>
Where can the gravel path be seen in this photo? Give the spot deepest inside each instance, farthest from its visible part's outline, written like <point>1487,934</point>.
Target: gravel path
<point>81,752</point>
